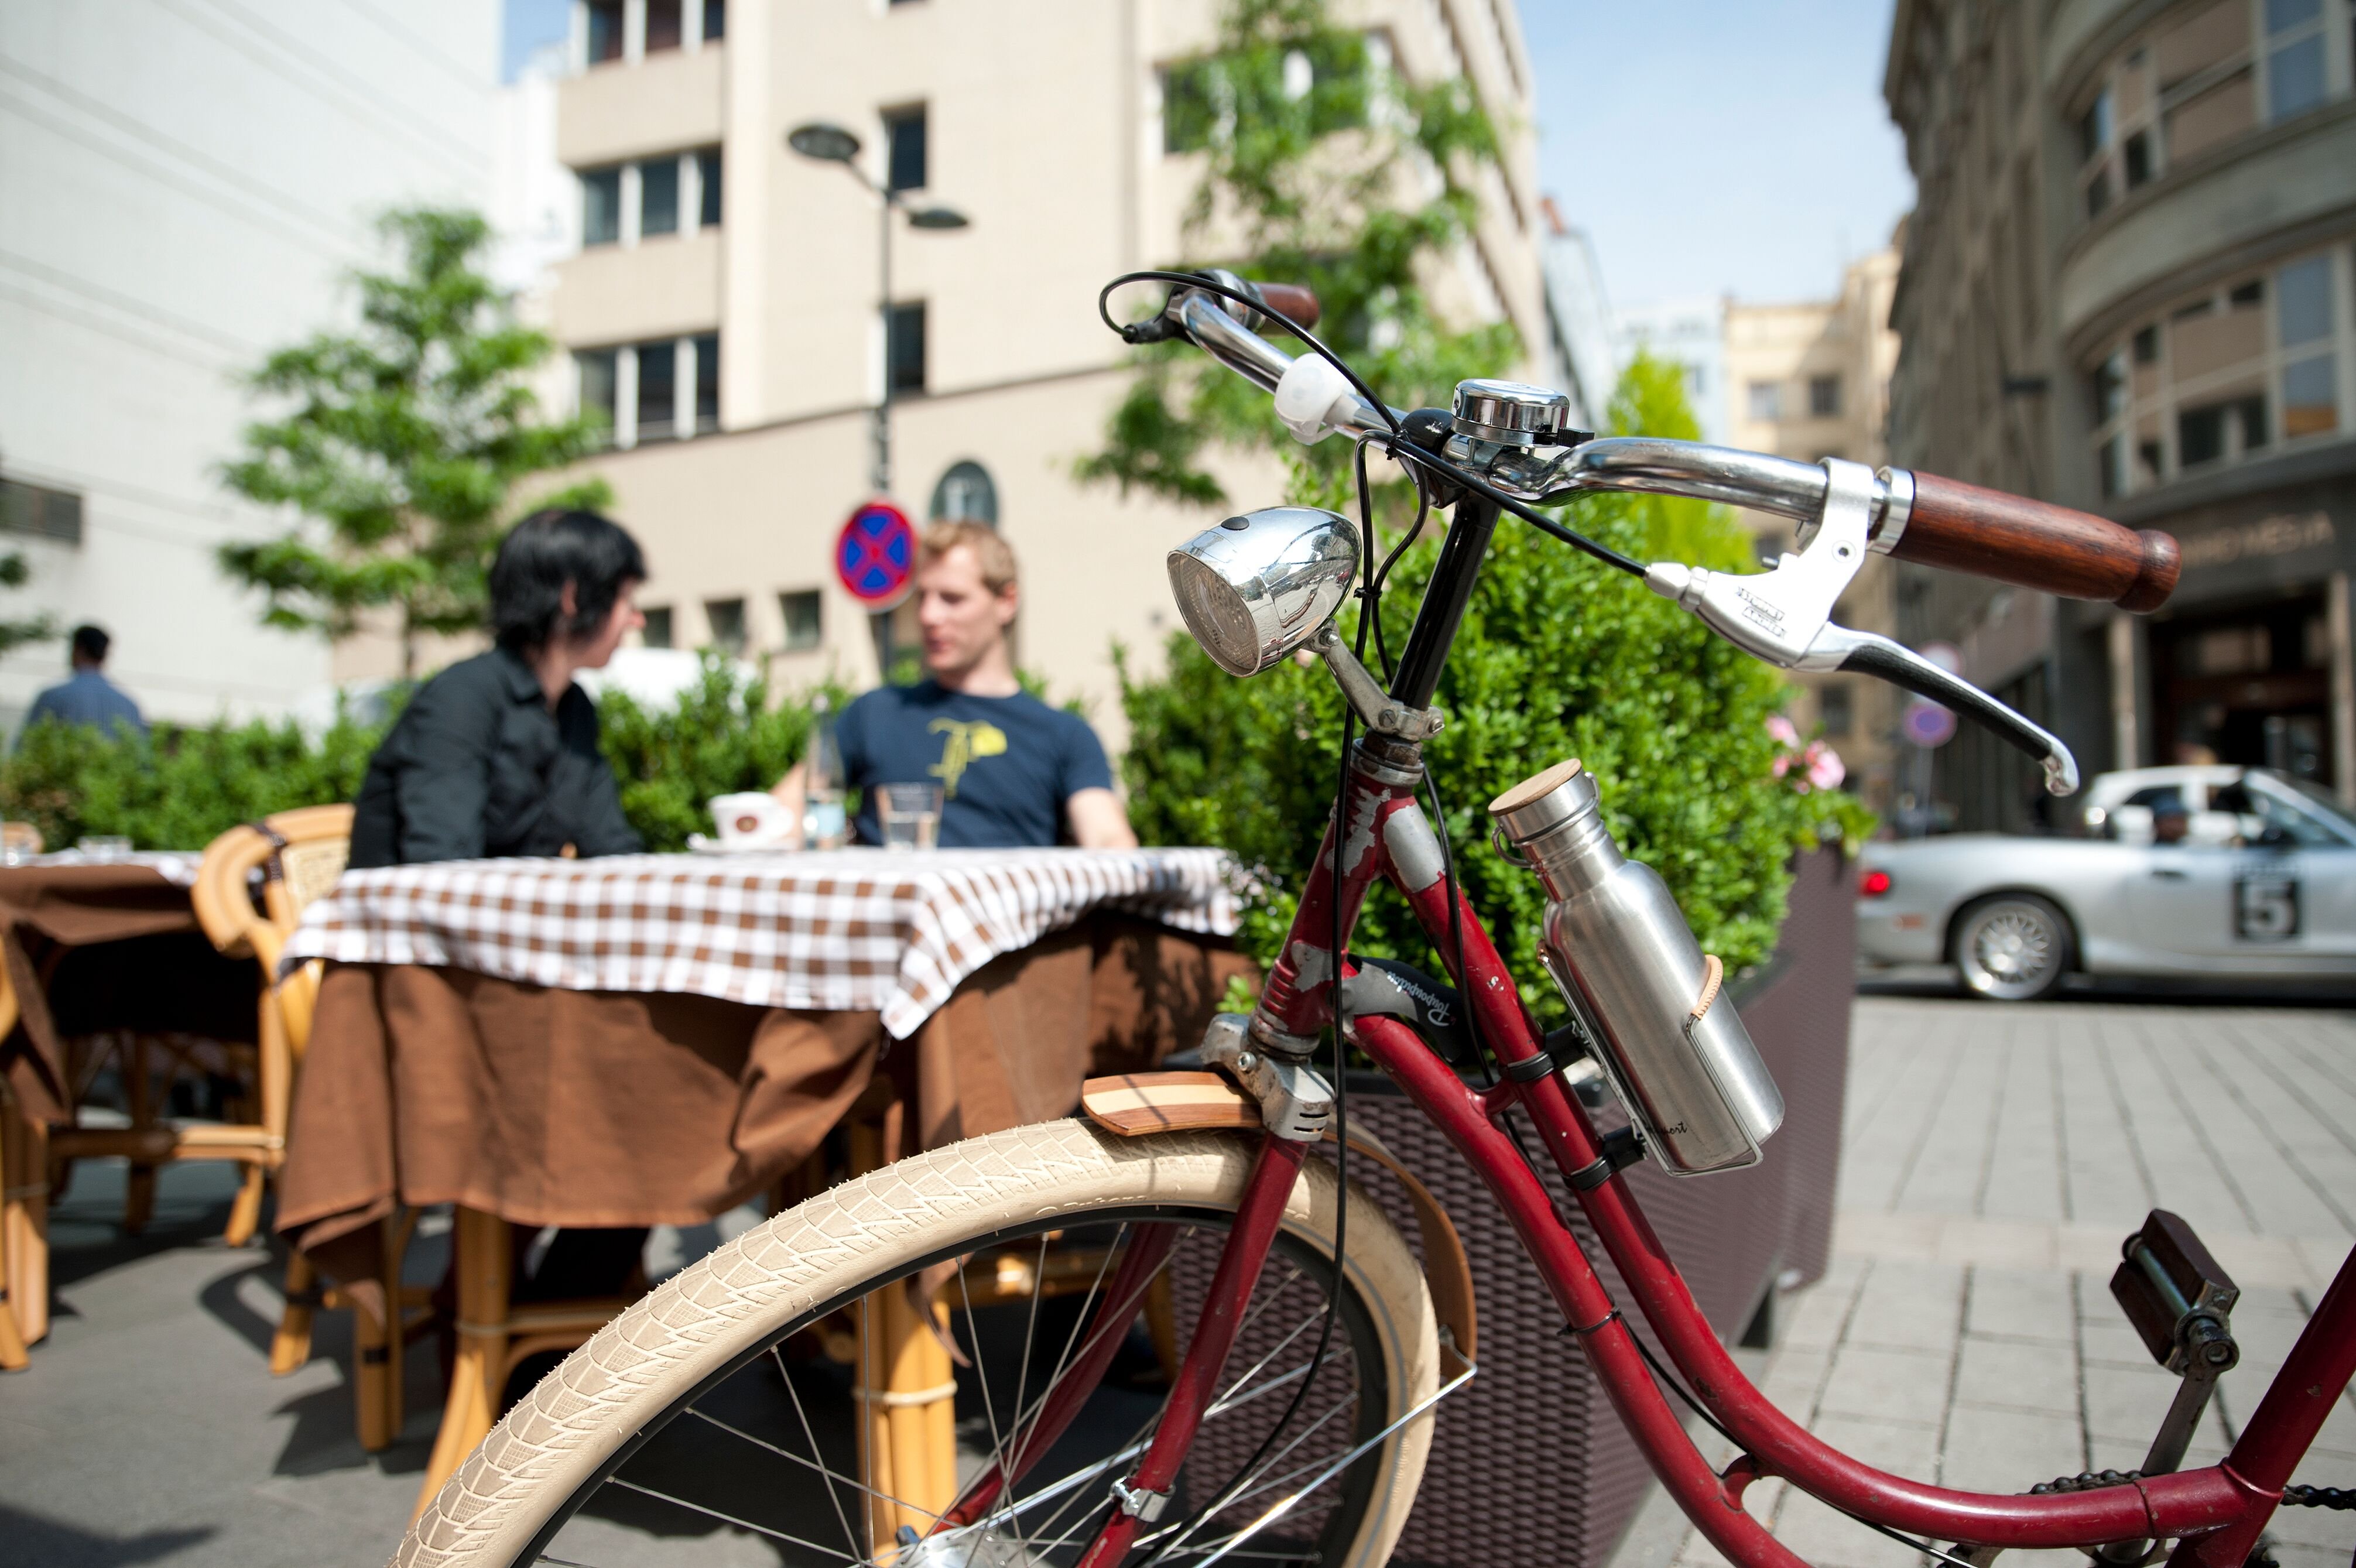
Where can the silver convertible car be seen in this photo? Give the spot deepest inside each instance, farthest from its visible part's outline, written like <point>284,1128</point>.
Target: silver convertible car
<point>2206,872</point>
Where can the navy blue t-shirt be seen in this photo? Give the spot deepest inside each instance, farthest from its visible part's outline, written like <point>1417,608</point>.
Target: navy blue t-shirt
<point>1006,765</point>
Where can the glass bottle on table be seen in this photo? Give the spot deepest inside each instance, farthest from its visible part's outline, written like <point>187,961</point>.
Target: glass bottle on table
<point>824,825</point>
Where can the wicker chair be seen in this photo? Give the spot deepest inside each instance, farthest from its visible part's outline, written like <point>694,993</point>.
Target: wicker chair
<point>299,854</point>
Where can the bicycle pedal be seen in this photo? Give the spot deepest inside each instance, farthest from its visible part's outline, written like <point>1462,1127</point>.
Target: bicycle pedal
<point>2178,1296</point>
<point>2181,1302</point>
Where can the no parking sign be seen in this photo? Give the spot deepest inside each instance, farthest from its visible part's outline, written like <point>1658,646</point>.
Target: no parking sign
<point>875,554</point>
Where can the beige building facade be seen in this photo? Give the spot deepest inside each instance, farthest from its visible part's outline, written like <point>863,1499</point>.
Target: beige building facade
<point>724,305</point>
<point>1811,381</point>
<point>2129,285</point>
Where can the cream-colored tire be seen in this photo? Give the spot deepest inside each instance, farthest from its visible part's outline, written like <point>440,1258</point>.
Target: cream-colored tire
<point>533,1472</point>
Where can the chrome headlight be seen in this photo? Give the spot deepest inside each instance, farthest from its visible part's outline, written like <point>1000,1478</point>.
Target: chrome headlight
<point>1259,586</point>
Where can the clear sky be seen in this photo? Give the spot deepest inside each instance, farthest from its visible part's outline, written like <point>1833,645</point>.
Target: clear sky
<point>527,24</point>
<point>1708,146</point>
<point>1718,147</point>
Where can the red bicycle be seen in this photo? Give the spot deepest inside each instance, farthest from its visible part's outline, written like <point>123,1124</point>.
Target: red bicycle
<point>1163,1332</point>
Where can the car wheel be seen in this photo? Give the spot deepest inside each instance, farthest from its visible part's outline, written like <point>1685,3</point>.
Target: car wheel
<point>2014,947</point>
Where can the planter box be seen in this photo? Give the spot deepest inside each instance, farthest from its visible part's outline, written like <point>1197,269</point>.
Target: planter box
<point>1530,1451</point>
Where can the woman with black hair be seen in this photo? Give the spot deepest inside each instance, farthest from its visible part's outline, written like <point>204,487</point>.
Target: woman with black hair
<point>498,754</point>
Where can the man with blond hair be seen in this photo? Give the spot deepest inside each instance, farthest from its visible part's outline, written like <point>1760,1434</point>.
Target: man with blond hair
<point>1012,770</point>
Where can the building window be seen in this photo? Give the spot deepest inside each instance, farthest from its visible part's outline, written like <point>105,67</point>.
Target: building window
<point>715,20</point>
<point>1198,105</point>
<point>663,26</point>
<point>657,633</point>
<point>605,31</point>
<point>2211,432</point>
<point>598,370</point>
<point>905,352</point>
<point>1836,710</point>
<point>965,494</point>
<point>1766,402</point>
<point>805,613</point>
<point>904,144</point>
<point>1190,111</point>
<point>725,620</point>
<point>2305,327</point>
<point>707,382</point>
<point>1824,396</point>
<point>2138,149</point>
<point>707,188</point>
<point>601,206</point>
<point>658,197</point>
<point>2294,57</point>
<point>658,392</point>
<point>2232,372</point>
<point>40,512</point>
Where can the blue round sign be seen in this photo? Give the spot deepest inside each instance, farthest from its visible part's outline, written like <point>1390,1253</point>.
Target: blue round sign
<point>876,554</point>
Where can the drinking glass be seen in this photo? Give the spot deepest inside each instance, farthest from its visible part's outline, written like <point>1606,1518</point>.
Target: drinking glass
<point>909,814</point>
<point>104,847</point>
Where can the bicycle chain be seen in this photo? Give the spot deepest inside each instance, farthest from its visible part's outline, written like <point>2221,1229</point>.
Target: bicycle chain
<point>2086,1481</point>
<point>2340,1497</point>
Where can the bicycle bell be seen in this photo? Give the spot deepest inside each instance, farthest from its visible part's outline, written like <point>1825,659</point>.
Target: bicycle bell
<point>1513,414</point>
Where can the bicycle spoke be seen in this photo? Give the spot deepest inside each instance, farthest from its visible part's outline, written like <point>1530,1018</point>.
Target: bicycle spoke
<point>849,1535</point>
<point>981,1376</point>
<point>1025,1418</point>
<point>1186,1528</point>
<point>732,1518</point>
<point>812,1464</point>
<point>1079,1320</point>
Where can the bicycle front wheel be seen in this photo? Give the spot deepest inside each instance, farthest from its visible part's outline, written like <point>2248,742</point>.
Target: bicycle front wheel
<point>777,1403</point>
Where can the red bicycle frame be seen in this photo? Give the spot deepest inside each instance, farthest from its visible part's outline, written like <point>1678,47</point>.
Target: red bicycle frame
<point>2215,1512</point>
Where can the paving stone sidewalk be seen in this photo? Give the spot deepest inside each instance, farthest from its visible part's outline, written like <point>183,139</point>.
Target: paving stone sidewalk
<point>1993,1159</point>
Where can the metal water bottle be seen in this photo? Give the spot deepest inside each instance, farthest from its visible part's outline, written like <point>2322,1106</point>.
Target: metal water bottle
<point>1667,1036</point>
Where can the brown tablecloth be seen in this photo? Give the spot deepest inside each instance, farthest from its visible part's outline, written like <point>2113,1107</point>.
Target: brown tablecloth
<point>552,1107</point>
<point>92,947</point>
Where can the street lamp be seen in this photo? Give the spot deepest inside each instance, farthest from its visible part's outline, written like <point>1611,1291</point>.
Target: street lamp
<point>825,142</point>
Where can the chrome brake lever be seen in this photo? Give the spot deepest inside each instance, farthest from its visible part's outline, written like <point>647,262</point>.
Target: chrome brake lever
<point>1778,614</point>
<point>1865,653</point>
<point>1784,617</point>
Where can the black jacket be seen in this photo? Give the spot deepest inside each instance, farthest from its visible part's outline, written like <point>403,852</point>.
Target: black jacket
<point>477,766</point>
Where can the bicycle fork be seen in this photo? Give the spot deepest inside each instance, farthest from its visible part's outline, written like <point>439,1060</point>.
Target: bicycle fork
<point>1142,1498</point>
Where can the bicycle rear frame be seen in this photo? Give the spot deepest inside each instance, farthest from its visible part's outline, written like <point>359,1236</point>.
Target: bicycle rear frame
<point>1383,834</point>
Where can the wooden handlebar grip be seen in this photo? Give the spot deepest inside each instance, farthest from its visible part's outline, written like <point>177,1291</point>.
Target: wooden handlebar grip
<point>2035,544</point>
<point>1293,300</point>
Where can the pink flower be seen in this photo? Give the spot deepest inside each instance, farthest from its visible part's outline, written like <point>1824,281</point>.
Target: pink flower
<point>1786,734</point>
<point>1825,769</point>
<point>1783,763</point>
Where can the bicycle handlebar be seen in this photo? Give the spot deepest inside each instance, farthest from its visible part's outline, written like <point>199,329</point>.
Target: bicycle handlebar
<point>2035,544</point>
<point>1921,518</point>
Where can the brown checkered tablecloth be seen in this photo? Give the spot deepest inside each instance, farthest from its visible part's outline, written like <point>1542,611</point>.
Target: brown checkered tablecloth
<point>857,930</point>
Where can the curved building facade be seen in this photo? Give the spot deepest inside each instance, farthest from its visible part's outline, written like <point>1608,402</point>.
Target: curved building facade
<point>2130,285</point>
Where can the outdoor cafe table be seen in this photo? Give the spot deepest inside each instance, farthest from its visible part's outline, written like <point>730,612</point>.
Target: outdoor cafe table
<point>653,1039</point>
<point>90,945</point>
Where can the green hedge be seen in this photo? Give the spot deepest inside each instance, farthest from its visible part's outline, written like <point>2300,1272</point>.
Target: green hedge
<point>182,785</point>
<point>1559,657</point>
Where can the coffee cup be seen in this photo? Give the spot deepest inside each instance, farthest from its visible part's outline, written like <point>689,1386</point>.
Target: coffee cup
<point>750,820</point>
